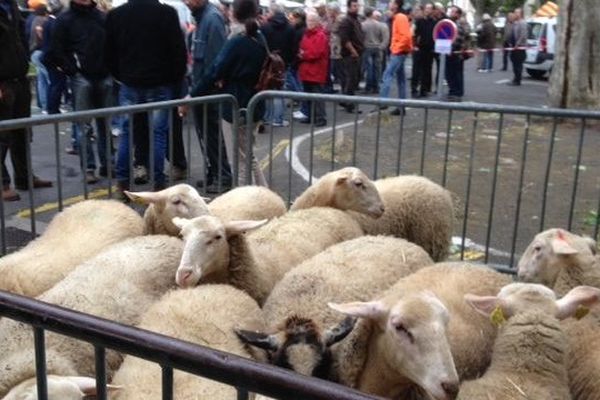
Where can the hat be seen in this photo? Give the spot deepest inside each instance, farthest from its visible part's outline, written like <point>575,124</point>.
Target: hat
<point>486,17</point>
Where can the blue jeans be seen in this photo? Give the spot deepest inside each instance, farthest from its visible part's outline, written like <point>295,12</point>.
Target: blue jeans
<point>395,67</point>
<point>372,67</point>
<point>488,60</point>
<point>87,95</point>
<point>42,80</point>
<point>274,111</point>
<point>160,122</point>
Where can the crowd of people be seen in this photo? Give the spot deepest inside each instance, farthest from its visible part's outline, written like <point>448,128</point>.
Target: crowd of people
<point>144,51</point>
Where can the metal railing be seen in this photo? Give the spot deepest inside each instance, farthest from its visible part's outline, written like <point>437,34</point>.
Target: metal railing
<point>244,374</point>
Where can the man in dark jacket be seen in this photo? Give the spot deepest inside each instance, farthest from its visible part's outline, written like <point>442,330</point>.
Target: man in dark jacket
<point>15,99</point>
<point>455,61</point>
<point>145,51</point>
<point>352,41</point>
<point>279,34</point>
<point>207,41</point>
<point>77,49</point>
<point>486,38</point>
<point>423,56</point>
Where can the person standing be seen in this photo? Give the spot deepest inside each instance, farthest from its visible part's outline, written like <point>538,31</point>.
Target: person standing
<point>487,42</point>
<point>145,52</point>
<point>335,47</point>
<point>518,40</point>
<point>455,61</point>
<point>207,41</point>
<point>352,41</point>
<point>400,47</point>
<point>15,100</point>
<point>375,37</point>
<point>77,49</point>
<point>313,69</point>
<point>35,47</point>
<point>506,40</point>
<point>424,53</point>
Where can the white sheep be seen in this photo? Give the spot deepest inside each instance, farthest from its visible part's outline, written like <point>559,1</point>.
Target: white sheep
<point>562,261</point>
<point>180,200</point>
<point>217,251</point>
<point>247,202</point>
<point>420,334</point>
<point>529,355</point>
<point>59,388</point>
<point>302,328</point>
<point>120,283</point>
<point>416,209</point>
<point>205,315</point>
<point>73,236</point>
<point>345,189</point>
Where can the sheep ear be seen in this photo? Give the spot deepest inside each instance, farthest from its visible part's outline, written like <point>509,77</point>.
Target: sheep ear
<point>341,180</point>
<point>180,222</point>
<point>370,309</point>
<point>145,197</point>
<point>484,305</point>
<point>234,228</point>
<point>339,332</point>
<point>560,245</point>
<point>258,339</point>
<point>580,296</point>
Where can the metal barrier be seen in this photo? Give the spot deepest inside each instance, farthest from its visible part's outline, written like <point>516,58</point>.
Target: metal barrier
<point>245,374</point>
<point>514,170</point>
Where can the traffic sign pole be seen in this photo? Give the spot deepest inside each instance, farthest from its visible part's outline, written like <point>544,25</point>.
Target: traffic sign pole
<point>441,74</point>
<point>444,33</point>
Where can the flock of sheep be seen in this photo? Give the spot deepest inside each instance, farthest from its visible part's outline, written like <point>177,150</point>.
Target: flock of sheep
<point>350,285</point>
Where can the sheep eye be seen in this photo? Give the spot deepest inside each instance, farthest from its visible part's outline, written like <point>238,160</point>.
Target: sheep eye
<point>218,237</point>
<point>358,184</point>
<point>177,202</point>
<point>537,248</point>
<point>402,330</point>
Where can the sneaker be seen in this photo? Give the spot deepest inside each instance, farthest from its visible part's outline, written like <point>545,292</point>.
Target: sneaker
<point>37,184</point>
<point>9,194</point>
<point>299,115</point>
<point>283,123</point>
<point>115,132</point>
<point>178,174</point>
<point>140,175</point>
<point>321,123</point>
<point>91,178</point>
<point>72,150</point>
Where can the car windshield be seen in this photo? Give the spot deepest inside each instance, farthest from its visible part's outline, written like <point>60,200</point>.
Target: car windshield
<point>534,30</point>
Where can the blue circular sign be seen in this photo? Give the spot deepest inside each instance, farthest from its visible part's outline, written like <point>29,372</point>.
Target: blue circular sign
<point>445,30</point>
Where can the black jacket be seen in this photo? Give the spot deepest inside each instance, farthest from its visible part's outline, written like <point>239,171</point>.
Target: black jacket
<point>14,57</point>
<point>424,33</point>
<point>144,44</point>
<point>280,36</point>
<point>351,31</point>
<point>77,44</point>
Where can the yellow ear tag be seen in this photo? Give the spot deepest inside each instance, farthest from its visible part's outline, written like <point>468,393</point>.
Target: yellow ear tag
<point>581,312</point>
<point>497,317</point>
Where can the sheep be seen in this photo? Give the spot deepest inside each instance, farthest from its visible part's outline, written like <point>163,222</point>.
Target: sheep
<point>562,261</point>
<point>420,335</point>
<point>345,189</point>
<point>217,251</point>
<point>297,307</point>
<point>59,388</point>
<point>528,360</point>
<point>73,236</point>
<point>416,209</point>
<point>206,315</point>
<point>180,200</point>
<point>247,202</point>
<point>120,283</point>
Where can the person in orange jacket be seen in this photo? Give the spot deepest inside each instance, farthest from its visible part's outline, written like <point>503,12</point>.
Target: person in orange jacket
<point>400,47</point>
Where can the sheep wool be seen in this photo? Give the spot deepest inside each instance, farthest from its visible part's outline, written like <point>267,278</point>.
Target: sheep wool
<point>205,315</point>
<point>120,283</point>
<point>73,236</point>
<point>247,202</point>
<point>416,209</point>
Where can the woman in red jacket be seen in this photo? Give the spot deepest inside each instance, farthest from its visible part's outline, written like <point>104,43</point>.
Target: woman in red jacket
<point>314,65</point>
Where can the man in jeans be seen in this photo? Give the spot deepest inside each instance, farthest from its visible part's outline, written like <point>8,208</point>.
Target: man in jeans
<point>376,38</point>
<point>400,47</point>
<point>15,99</point>
<point>77,49</point>
<point>145,52</point>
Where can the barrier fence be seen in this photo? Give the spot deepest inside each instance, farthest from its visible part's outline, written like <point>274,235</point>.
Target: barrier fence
<point>513,171</point>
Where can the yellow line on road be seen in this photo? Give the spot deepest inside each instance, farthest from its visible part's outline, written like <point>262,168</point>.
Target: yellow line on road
<point>95,194</point>
<point>264,163</point>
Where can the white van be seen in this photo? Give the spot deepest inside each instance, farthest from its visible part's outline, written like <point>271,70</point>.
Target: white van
<point>541,46</point>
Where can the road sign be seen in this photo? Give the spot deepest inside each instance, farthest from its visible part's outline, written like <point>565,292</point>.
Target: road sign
<point>445,30</point>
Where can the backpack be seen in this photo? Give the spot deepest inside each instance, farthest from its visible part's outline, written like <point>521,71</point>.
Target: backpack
<point>272,75</point>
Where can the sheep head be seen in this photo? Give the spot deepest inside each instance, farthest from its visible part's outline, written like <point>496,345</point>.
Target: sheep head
<point>59,388</point>
<point>180,200</point>
<point>549,252</point>
<point>517,298</point>
<point>353,190</point>
<point>300,345</point>
<point>410,340</point>
<point>206,249</point>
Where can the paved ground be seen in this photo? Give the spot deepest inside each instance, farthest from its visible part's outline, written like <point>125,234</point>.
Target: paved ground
<point>383,145</point>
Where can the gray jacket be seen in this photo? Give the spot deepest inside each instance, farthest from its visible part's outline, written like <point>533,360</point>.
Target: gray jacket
<point>519,33</point>
<point>208,39</point>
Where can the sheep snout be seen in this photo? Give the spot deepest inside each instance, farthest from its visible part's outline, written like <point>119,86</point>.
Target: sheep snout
<point>183,277</point>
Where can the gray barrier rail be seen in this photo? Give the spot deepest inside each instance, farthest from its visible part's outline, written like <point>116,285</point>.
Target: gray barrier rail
<point>246,375</point>
<point>199,108</point>
<point>514,170</point>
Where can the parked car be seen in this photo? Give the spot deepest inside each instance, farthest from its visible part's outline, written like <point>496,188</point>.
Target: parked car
<point>541,43</point>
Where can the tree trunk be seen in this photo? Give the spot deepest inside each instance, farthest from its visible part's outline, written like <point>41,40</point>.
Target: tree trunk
<point>575,79</point>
